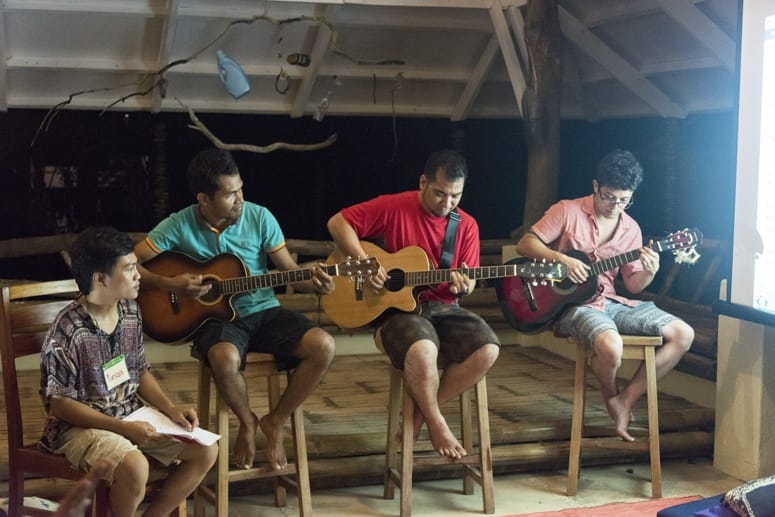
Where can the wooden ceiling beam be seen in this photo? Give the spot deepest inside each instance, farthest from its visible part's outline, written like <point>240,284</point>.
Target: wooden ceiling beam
<point>702,28</point>
<point>517,24</point>
<point>619,68</point>
<point>319,49</point>
<point>516,78</point>
<point>474,84</point>
<point>620,11</point>
<point>165,48</point>
<point>3,61</point>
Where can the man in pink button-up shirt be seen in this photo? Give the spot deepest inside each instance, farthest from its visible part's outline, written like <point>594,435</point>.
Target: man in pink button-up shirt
<point>598,226</point>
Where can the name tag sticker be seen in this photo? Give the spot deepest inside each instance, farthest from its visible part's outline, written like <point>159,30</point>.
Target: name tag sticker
<point>115,372</point>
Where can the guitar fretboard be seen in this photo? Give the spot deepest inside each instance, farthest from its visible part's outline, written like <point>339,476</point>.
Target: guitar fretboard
<point>437,276</point>
<point>251,283</point>
<point>614,262</point>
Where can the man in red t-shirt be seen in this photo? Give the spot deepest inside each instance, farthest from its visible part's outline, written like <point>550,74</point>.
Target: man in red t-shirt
<point>444,335</point>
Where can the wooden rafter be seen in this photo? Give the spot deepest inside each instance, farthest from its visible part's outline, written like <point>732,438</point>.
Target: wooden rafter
<point>319,49</point>
<point>620,68</point>
<point>165,48</point>
<point>513,67</point>
<point>474,83</point>
<point>3,77</point>
<point>696,23</point>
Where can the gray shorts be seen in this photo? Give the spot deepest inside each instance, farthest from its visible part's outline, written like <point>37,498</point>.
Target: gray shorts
<point>586,323</point>
<point>84,447</point>
<point>456,332</point>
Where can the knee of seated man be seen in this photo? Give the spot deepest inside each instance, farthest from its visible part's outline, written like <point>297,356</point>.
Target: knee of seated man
<point>132,472</point>
<point>681,333</point>
<point>224,357</point>
<point>318,343</point>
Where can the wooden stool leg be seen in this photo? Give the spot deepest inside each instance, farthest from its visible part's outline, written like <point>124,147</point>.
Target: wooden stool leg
<point>467,431</point>
<point>222,465</point>
<point>485,449</point>
<point>203,410</point>
<point>303,490</point>
<point>577,426</point>
<point>407,455</point>
<point>274,393</point>
<point>391,447</point>
<point>652,398</point>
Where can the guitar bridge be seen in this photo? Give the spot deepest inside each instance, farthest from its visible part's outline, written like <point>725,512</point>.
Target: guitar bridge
<point>174,303</point>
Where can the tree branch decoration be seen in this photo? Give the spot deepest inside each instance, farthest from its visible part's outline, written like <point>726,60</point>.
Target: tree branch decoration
<point>197,125</point>
<point>154,80</point>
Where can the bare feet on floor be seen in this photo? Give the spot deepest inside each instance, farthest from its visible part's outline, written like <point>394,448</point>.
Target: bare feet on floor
<point>245,445</point>
<point>275,452</point>
<point>621,415</point>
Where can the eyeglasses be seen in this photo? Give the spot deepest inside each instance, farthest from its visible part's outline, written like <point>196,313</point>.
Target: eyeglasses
<point>625,202</point>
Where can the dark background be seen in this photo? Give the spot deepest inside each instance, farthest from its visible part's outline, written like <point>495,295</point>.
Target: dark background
<point>107,162</point>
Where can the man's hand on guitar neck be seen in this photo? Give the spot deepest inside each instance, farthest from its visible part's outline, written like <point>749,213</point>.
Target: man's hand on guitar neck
<point>459,283</point>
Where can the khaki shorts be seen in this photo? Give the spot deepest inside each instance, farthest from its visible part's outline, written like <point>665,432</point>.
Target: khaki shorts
<point>84,447</point>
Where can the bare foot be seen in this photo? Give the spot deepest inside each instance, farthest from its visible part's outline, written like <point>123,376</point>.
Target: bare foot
<point>245,445</point>
<point>444,442</point>
<point>621,416</point>
<point>275,452</point>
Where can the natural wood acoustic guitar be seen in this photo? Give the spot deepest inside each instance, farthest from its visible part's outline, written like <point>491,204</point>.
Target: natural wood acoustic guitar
<point>169,317</point>
<point>354,304</point>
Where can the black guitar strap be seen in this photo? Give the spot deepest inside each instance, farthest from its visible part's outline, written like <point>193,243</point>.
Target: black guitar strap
<point>448,246</point>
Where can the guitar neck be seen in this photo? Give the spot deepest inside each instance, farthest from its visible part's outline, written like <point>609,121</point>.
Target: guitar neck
<point>619,260</point>
<point>251,283</point>
<point>437,276</point>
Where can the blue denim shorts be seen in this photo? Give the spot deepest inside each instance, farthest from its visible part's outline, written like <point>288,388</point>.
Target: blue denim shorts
<point>586,323</point>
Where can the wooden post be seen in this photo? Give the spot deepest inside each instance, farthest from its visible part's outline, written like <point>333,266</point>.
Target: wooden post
<point>541,107</point>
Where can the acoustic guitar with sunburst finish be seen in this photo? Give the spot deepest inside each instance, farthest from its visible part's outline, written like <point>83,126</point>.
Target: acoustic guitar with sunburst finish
<point>354,304</point>
<point>169,317</point>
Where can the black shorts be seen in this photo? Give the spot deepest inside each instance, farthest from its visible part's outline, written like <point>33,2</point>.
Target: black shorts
<point>456,332</point>
<point>275,331</point>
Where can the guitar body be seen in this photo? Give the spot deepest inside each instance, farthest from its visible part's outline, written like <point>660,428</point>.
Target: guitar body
<point>169,318</point>
<point>550,300</point>
<point>353,304</point>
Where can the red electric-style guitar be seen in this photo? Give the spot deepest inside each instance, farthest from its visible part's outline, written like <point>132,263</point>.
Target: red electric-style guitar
<point>533,308</point>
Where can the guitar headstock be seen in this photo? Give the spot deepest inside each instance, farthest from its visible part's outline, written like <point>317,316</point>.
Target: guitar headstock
<point>683,243</point>
<point>543,271</point>
<point>358,267</point>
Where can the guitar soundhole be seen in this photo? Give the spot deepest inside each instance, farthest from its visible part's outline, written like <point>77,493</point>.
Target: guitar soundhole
<point>214,294</point>
<point>396,282</point>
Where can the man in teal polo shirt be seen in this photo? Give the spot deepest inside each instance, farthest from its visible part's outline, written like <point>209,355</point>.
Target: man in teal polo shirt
<point>223,222</point>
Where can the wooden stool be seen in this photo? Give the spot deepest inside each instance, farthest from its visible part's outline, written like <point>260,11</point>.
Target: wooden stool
<point>476,467</point>
<point>262,365</point>
<point>635,347</point>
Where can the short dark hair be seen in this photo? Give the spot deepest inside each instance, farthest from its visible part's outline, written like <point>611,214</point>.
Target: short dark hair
<point>206,166</point>
<point>619,170</point>
<point>450,162</point>
<point>97,250</point>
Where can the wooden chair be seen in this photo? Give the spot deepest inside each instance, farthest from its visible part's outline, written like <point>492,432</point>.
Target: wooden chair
<point>23,326</point>
<point>476,466</point>
<point>635,347</point>
<point>216,492</point>
<point>26,312</point>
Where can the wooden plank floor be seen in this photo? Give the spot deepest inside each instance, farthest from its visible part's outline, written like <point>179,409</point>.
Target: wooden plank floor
<point>530,400</point>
